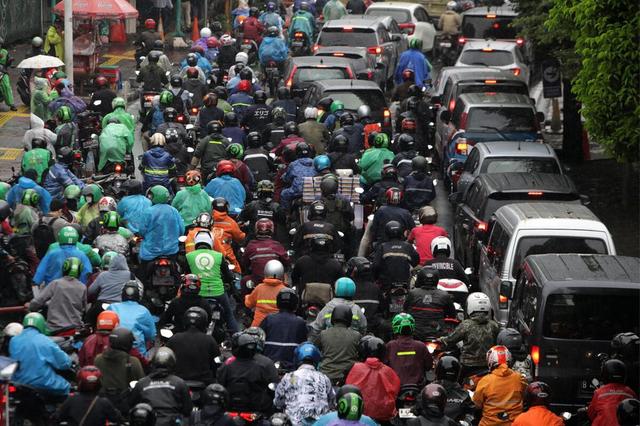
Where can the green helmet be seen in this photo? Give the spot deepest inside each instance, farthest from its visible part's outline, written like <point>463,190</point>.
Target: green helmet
<point>336,106</point>
<point>235,150</point>
<point>166,98</point>
<point>381,140</point>
<point>403,322</point>
<point>30,197</point>
<point>118,103</point>
<point>415,43</point>
<point>72,192</point>
<point>72,267</point>
<point>4,188</point>
<point>111,220</point>
<point>68,235</point>
<point>64,114</point>
<point>94,191</point>
<point>350,406</point>
<point>106,259</point>
<point>35,320</point>
<point>158,194</point>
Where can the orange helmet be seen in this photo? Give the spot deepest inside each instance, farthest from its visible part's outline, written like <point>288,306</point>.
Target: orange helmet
<point>192,177</point>
<point>225,167</point>
<point>107,321</point>
<point>150,24</point>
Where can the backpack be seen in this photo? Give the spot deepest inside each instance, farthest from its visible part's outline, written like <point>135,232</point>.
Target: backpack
<point>43,236</point>
<point>178,103</point>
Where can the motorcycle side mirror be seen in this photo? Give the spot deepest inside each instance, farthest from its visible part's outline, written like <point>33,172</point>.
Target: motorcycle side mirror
<point>272,155</point>
<point>341,234</point>
<point>182,238</point>
<point>105,306</point>
<point>435,182</point>
<point>359,190</point>
<point>190,150</point>
<point>166,333</point>
<point>272,387</point>
<point>566,416</point>
<point>217,360</point>
<point>362,309</point>
<point>468,271</point>
<point>133,383</point>
<point>97,102</point>
<point>249,284</point>
<point>293,231</point>
<point>277,365</point>
<point>596,383</point>
<point>168,73</point>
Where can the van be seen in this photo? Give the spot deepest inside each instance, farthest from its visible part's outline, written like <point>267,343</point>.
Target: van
<point>568,307</point>
<point>524,229</point>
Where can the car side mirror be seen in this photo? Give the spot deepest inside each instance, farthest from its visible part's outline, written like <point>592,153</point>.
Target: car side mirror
<point>445,116</point>
<point>540,116</point>
<point>455,198</point>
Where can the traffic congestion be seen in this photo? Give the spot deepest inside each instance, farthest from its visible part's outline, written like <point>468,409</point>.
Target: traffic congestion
<point>315,213</point>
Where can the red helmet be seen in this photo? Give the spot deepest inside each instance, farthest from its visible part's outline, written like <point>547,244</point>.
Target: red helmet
<point>190,283</point>
<point>537,393</point>
<point>150,24</point>
<point>498,355</point>
<point>408,124</point>
<point>88,379</point>
<point>225,167</point>
<point>101,81</point>
<point>107,321</point>
<point>192,72</point>
<point>393,196</point>
<point>192,177</point>
<point>264,226</point>
<point>244,86</point>
<point>407,75</point>
<point>212,42</point>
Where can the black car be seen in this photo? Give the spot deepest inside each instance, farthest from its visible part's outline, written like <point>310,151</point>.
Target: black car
<point>301,71</point>
<point>488,192</point>
<point>363,63</point>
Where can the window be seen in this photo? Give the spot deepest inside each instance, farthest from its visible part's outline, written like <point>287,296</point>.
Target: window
<point>479,26</point>
<point>394,28</point>
<point>303,75</point>
<point>359,37</point>
<point>472,161</point>
<point>497,247</point>
<point>446,94</point>
<point>494,58</point>
<point>474,198</point>
<point>456,115</point>
<point>399,15</point>
<point>520,164</point>
<point>421,15</point>
<point>529,246</point>
<point>529,303</point>
<point>519,88</point>
<point>505,119</point>
<point>352,99</point>
<point>383,36</point>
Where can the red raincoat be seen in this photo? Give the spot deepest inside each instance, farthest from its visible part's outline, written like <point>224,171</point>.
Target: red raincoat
<point>380,386</point>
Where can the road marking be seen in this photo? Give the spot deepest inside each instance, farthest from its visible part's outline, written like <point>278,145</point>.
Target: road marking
<point>114,59</point>
<point>9,154</point>
<point>23,111</point>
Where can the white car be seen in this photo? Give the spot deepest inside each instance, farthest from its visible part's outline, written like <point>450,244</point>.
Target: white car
<point>412,18</point>
<point>504,55</point>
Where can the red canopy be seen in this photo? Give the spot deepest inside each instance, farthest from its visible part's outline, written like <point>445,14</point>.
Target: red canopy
<point>99,9</point>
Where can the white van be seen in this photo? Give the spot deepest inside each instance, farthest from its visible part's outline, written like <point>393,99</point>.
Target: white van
<point>520,230</point>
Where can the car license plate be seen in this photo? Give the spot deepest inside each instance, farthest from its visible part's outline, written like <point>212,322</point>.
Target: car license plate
<point>215,315</point>
<point>445,44</point>
<point>296,44</point>
<point>246,46</point>
<point>405,413</point>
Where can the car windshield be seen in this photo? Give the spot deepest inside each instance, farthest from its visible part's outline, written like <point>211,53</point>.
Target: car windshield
<point>400,16</point>
<point>493,58</point>
<point>357,37</point>
<point>528,246</point>
<point>520,164</point>
<point>354,99</point>
<point>316,74</point>
<point>591,316</point>
<point>520,89</point>
<point>484,27</point>
<point>505,119</point>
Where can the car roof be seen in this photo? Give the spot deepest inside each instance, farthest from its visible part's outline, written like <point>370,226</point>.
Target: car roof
<point>495,99</point>
<point>519,182</point>
<point>345,84</point>
<point>394,5</point>
<point>515,149</point>
<point>505,10</point>
<point>559,216</point>
<point>356,21</point>
<point>362,51</point>
<point>566,269</point>
<point>308,61</point>
<point>492,44</point>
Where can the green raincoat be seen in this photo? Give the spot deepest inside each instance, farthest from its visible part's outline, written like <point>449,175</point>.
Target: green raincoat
<point>53,40</point>
<point>123,117</point>
<point>38,160</point>
<point>115,141</point>
<point>5,84</point>
<point>40,99</point>
<point>190,202</point>
<point>371,163</point>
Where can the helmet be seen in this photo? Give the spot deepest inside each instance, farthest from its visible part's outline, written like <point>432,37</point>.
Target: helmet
<point>64,114</point>
<point>166,100</point>
<point>537,393</point>
<point>260,97</point>
<point>427,277</point>
<point>418,163</point>
<point>280,419</point>
<point>364,111</point>
<point>176,81</point>
<point>215,394</point>
<point>220,204</point>
<point>393,229</point>
<point>36,42</point>
<point>254,140</point>
<point>407,75</point>
<point>478,303</point>
<point>35,320</point>
<point>212,42</point>
<point>154,56</point>
<point>336,106</point>
<point>73,192</point>
<point>441,245</point>
<point>230,119</point>
<point>107,321</point>
<point>498,355</point>
<point>170,115</point>
<point>196,317</point>
<point>164,358</point>
<point>433,396</point>
<point>192,59</point>
<point>132,291</point>
<point>203,240</point>
<point>350,406</point>
<point>287,300</point>
<point>253,11</point>
<point>408,123</point>
<point>274,269</point>
<point>205,32</point>
<point>190,284</point>
<point>452,5</point>
<point>448,368</point>
<point>235,150</point>
<point>244,345</point>
<point>279,115</point>
<point>613,371</point>
<point>310,113</point>
<point>106,259</point>
<point>157,139</point>
<point>36,143</point>
<point>121,338</point>
<point>272,31</point>
<point>512,339</point>
<point>265,189</point>
<point>381,140</point>
<point>192,177</point>
<point>210,99</point>
<point>259,335</point>
<point>226,40</point>
<point>158,194</point>
<point>68,235</point>
<point>428,215</point>
<point>393,196</point>
<point>406,142</point>
<point>371,347</point>
<point>30,197</point>
<point>150,24</point>
<point>415,43</point>
<point>264,227</point>
<point>225,167</point>
<point>158,45</point>
<point>214,127</point>
<point>203,220</point>
<point>403,323</point>
<point>242,58</point>
<point>358,267</point>
<point>192,72</point>
<point>271,6</point>
<point>107,204</point>
<point>626,345</point>
<point>317,210</point>
<point>628,412</point>
<point>100,81</point>
<point>290,128</point>
<point>244,86</point>
<point>329,185</point>
<point>342,314</point>
<point>118,103</point>
<point>303,150</point>
<point>111,221</point>
<point>5,187</point>
<point>88,379</point>
<point>340,143</point>
<point>346,119</point>
<point>5,210</point>
<point>142,415</point>
<point>344,287</point>
<point>304,6</point>
<point>307,351</point>
<point>389,171</point>
<point>324,103</point>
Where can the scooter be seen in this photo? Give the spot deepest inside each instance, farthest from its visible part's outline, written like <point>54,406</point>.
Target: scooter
<point>299,44</point>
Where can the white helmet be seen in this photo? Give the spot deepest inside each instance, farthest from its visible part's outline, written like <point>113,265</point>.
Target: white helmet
<point>478,302</point>
<point>242,57</point>
<point>498,355</point>
<point>203,237</point>
<point>205,33</point>
<point>452,5</point>
<point>441,244</point>
<point>274,269</point>
<point>226,40</point>
<point>36,42</point>
<point>107,204</point>
<point>157,139</point>
<point>13,329</point>
<point>310,112</point>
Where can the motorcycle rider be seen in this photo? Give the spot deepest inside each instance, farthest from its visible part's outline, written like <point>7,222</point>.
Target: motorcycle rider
<point>152,77</point>
<point>5,84</point>
<point>625,347</point>
<point>209,111</point>
<point>344,290</point>
<point>157,165</point>
<point>188,297</point>
<point>422,236</point>
<point>334,415</point>
<point>391,211</point>
<point>450,21</point>
<point>302,21</point>
<point>181,97</point>
<point>134,316</point>
<point>252,28</point>
<point>537,397</point>
<point>405,144</point>
<point>338,343</point>
<point>605,399</point>
<point>333,9</point>
<point>377,193</point>
<point>284,101</point>
<point>374,158</point>
<point>317,227</point>
<point>291,137</point>
<point>210,150</point>
<point>167,393</point>
<point>119,106</point>
<point>103,94</point>
<point>459,405</point>
<point>192,200</point>
<point>196,87</point>
<point>313,273</point>
<point>164,62</point>
<point>520,359</point>
<point>50,266</point>
<point>257,116</point>
<point>433,400</point>
<point>414,59</point>
<point>314,133</point>
<point>111,238</point>
<point>408,357</point>
<point>264,296</point>
<point>215,400</point>
<point>335,112</point>
<point>116,141</point>
<point>232,130</point>
<point>271,17</point>
<point>257,159</point>
<point>339,210</point>
<point>273,48</point>
<point>242,99</point>
<point>418,185</point>
<point>226,230</point>
<point>394,258</point>
<point>628,412</point>
<point>296,172</point>
<point>284,329</point>
<point>446,267</point>
<point>131,206</point>
<point>352,130</point>
<point>107,287</point>
<point>339,155</point>
<point>26,213</point>
<point>262,249</point>
<point>305,393</point>
<point>226,186</point>
<point>148,37</point>
<point>57,177</point>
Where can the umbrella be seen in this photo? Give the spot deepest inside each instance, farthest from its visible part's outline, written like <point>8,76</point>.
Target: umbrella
<point>41,61</point>
<point>99,9</point>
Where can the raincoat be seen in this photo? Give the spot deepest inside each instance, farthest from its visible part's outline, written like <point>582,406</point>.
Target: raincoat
<point>50,267</point>
<point>39,357</point>
<point>272,19</point>
<point>206,264</point>
<point>273,49</point>
<point>38,160</point>
<point>58,178</point>
<point>94,257</point>
<point>24,217</point>
<point>263,299</point>
<point>157,163</point>
<point>5,84</point>
<point>40,99</point>
<point>123,117</point>
<point>190,202</point>
<point>138,319</point>
<point>241,10</point>
<point>87,213</point>
<point>301,21</point>
<point>379,385</point>
<point>295,174</point>
<point>14,196</point>
<point>226,231</point>
<point>160,227</point>
<point>334,9</point>
<point>604,403</point>
<point>414,60</point>
<point>37,130</point>
<point>131,208</point>
<point>371,164</point>
<point>53,40</point>
<point>115,141</point>
<point>202,63</point>
<point>231,189</point>
<point>538,415</point>
<point>498,392</point>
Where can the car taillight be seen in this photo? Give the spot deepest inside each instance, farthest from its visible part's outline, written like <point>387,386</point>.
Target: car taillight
<point>503,301</point>
<point>462,148</point>
<point>520,41</point>
<point>374,50</point>
<point>491,16</point>
<point>386,114</point>
<point>118,168</point>
<point>246,41</point>
<point>408,26</point>
<point>462,40</point>
<point>298,34</point>
<point>347,29</point>
<point>289,82</point>
<point>490,81</point>
<point>516,71</point>
<point>535,354</point>
<point>452,104</point>
<point>535,193</point>
<point>487,49</point>
<point>482,226</point>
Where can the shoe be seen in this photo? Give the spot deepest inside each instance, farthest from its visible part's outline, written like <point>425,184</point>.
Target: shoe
<point>13,108</point>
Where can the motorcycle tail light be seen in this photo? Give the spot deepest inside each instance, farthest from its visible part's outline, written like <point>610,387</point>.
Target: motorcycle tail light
<point>535,354</point>
<point>482,226</point>
<point>432,346</point>
<point>180,118</point>
<point>194,111</point>
<point>246,41</point>
<point>315,48</point>
<point>181,179</point>
<point>462,40</point>
<point>298,34</point>
<point>118,168</point>
<point>77,156</point>
<point>163,262</point>
<point>520,41</point>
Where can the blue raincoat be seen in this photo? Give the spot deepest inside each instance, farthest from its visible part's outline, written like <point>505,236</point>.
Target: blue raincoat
<point>39,357</point>
<point>414,60</point>
<point>131,208</point>
<point>58,178</point>
<point>138,319</point>
<point>50,267</point>
<point>231,189</point>
<point>273,49</point>
<point>14,196</point>
<point>160,227</point>
<point>203,63</point>
<point>295,174</point>
<point>271,19</point>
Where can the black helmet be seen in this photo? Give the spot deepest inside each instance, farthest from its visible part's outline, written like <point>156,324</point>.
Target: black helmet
<point>371,347</point>
<point>220,204</point>
<point>230,119</point>
<point>432,397</point>
<point>413,91</point>
<point>613,371</point>
<point>346,119</point>
<point>170,115</point>
<point>427,277</point>
<point>196,317</point>
<point>272,31</point>
<point>131,291</point>
<point>340,143</point>
<point>342,314</point>
<point>214,127</point>
<point>406,142</point>
<point>215,394</point>
<point>142,415</point>
<point>176,81</point>
<point>325,103</point>
<point>254,140</point>
<point>154,57</point>
<point>290,128</point>
<point>512,339</point>
<point>287,300</point>
<point>393,229</point>
<point>536,393</point>
<point>303,150</point>
<point>164,358</point>
<point>192,59</point>
<point>329,186</point>
<point>245,74</point>
<point>358,267</point>
<point>317,210</point>
<point>221,91</point>
<point>628,412</point>
<point>626,345</point>
<point>244,345</point>
<point>216,26</point>
<point>38,143</point>
<point>448,368</point>
<point>265,189</point>
<point>260,97</point>
<point>121,338</point>
<point>283,92</point>
<point>133,187</point>
<point>419,163</point>
<point>254,11</point>
<point>158,45</point>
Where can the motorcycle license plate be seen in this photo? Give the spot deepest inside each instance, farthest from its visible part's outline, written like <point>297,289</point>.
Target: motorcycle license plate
<point>586,386</point>
<point>147,104</point>
<point>445,44</point>
<point>270,70</point>
<point>397,304</point>
<point>246,46</point>
<point>296,44</point>
<point>405,413</point>
<point>215,315</point>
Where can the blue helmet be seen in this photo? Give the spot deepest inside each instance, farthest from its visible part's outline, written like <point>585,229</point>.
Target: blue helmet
<point>345,287</point>
<point>321,162</point>
<point>307,351</point>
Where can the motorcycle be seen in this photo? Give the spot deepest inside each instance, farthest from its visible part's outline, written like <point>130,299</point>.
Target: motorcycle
<point>272,77</point>
<point>300,44</point>
<point>448,49</point>
<point>397,296</point>
<point>406,403</point>
<point>112,183</point>
<point>243,418</point>
<point>216,326</point>
<point>147,103</point>
<point>250,47</point>
<point>24,90</point>
<point>162,279</point>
